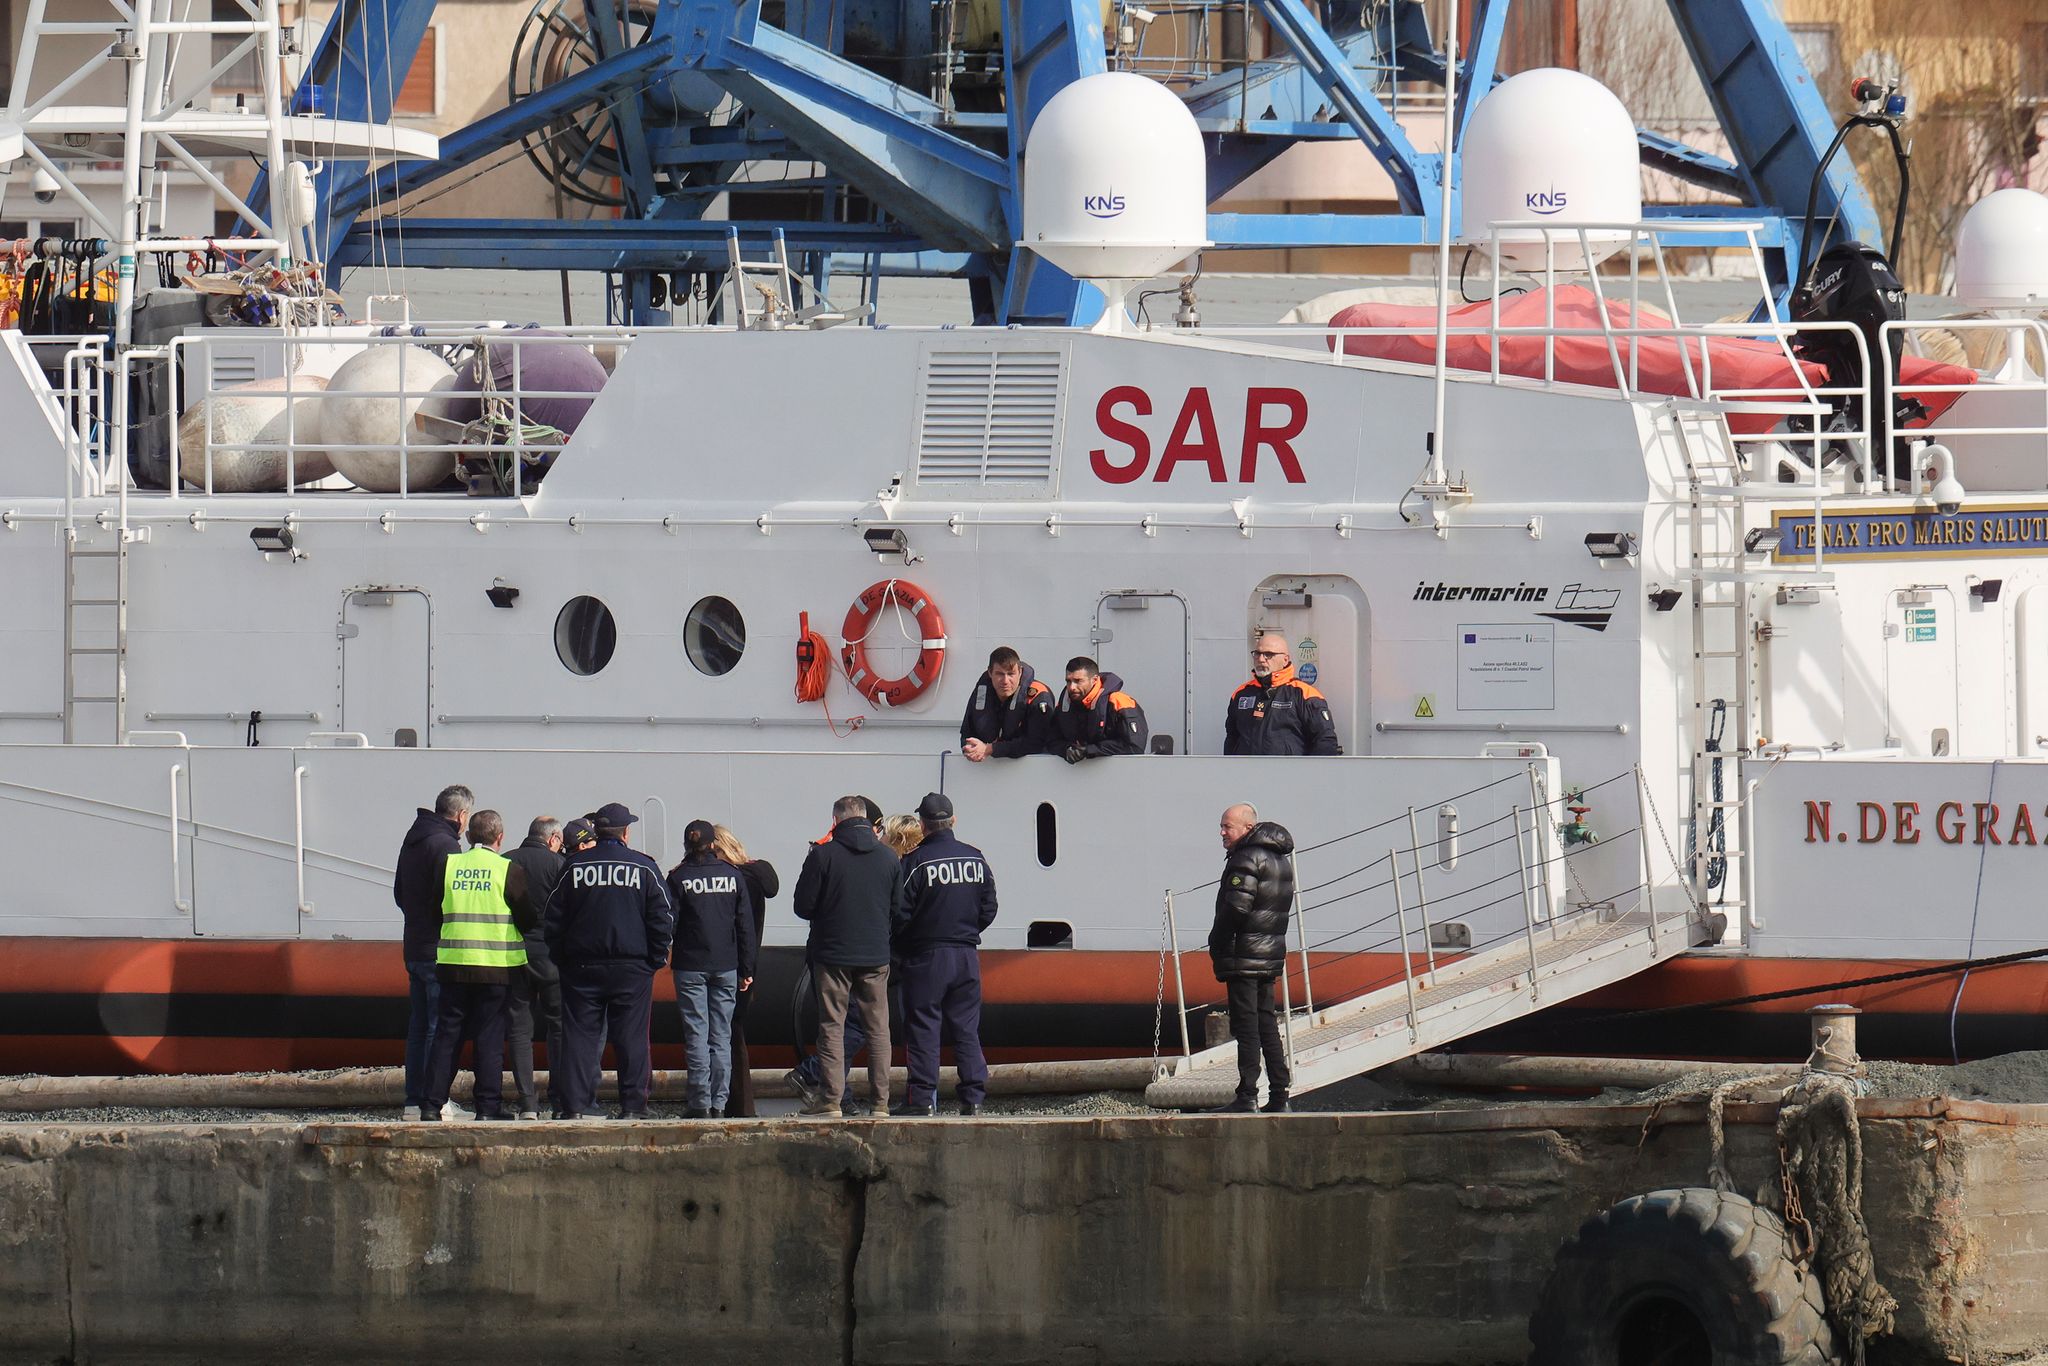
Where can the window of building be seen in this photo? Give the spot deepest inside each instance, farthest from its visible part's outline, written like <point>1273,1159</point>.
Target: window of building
<point>420,96</point>
<point>2034,62</point>
<point>585,635</point>
<point>1820,47</point>
<point>246,75</point>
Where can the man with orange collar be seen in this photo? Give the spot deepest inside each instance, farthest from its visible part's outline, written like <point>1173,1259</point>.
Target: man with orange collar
<point>1096,717</point>
<point>1277,713</point>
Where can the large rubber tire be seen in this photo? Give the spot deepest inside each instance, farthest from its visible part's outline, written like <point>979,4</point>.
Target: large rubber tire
<point>1680,1278</point>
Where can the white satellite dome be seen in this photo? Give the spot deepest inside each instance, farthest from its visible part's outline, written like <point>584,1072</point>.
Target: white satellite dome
<point>1115,183</point>
<point>2002,251</point>
<point>1553,147</point>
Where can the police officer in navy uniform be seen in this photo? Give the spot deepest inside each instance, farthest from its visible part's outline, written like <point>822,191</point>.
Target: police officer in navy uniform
<point>949,900</point>
<point>1096,717</point>
<point>1276,712</point>
<point>1009,713</point>
<point>608,928</point>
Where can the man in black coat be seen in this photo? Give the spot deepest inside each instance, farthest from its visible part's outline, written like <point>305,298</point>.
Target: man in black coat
<point>1248,946</point>
<point>1009,713</point>
<point>850,890</point>
<point>535,998</point>
<point>417,887</point>
<point>608,929</point>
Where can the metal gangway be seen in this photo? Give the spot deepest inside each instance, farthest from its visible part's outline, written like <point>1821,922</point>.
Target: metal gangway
<point>1440,979</point>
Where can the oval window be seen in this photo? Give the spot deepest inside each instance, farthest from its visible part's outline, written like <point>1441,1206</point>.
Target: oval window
<point>585,635</point>
<point>715,635</point>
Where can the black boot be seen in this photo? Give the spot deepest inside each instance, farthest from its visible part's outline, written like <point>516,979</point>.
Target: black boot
<point>1240,1105</point>
<point>1276,1104</point>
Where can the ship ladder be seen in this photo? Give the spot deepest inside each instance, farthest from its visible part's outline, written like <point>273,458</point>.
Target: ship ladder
<point>96,633</point>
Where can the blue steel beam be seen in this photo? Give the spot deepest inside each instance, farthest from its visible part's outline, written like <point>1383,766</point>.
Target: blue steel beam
<point>879,137</point>
<point>1047,46</point>
<point>503,128</point>
<point>623,244</point>
<point>1331,69</point>
<point>1777,123</point>
<point>359,63</point>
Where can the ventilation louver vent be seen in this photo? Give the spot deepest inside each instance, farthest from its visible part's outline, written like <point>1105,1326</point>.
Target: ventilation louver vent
<point>989,417</point>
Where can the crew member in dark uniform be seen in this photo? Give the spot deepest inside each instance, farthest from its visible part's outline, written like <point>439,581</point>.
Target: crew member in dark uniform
<point>1275,712</point>
<point>1009,713</point>
<point>1096,717</point>
<point>949,899</point>
<point>608,928</point>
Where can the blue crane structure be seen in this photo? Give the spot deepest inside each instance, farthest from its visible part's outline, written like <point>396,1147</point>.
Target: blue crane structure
<point>875,136</point>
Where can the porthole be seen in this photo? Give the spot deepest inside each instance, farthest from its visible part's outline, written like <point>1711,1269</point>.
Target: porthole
<point>585,635</point>
<point>715,636</point>
<point>1048,835</point>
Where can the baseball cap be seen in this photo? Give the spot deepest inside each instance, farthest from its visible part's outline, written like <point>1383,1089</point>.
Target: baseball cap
<point>699,834</point>
<point>936,806</point>
<point>576,832</point>
<point>615,815</point>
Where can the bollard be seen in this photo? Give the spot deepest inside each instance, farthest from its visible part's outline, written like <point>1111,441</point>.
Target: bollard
<point>1833,1029</point>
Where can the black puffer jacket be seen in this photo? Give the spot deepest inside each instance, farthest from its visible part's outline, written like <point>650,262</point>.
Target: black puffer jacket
<point>1252,905</point>
<point>851,890</point>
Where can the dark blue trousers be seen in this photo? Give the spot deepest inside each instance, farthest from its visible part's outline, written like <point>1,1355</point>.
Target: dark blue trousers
<point>424,1005</point>
<point>469,1011</point>
<point>942,1003</point>
<point>604,1002</point>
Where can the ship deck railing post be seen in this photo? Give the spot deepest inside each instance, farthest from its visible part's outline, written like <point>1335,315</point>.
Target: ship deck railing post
<point>1308,995</point>
<point>1528,906</point>
<point>1180,986</point>
<point>1401,924</point>
<point>1421,895</point>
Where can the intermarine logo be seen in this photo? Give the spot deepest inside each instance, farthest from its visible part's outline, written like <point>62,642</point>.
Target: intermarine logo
<point>1447,592</point>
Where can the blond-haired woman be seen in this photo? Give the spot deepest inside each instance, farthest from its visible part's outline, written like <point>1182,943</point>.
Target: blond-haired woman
<point>762,883</point>
<point>902,834</point>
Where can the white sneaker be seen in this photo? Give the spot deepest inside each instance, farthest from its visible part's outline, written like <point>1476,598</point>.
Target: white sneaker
<point>529,1114</point>
<point>453,1111</point>
<point>411,1112</point>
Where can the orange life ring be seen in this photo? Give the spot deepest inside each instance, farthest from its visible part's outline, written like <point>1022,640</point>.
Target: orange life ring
<point>860,621</point>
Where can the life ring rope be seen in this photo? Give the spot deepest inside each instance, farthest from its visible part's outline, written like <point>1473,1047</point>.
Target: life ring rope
<point>860,622</point>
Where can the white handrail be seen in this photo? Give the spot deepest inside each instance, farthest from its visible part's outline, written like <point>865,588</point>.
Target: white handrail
<point>176,737</point>
<point>178,902</point>
<point>1421,895</point>
<point>1308,995</point>
<point>299,835</point>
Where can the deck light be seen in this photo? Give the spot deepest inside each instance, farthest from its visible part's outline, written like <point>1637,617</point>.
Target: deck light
<point>886,540</point>
<point>501,594</point>
<point>1610,545</point>
<point>1664,599</point>
<point>1762,540</point>
<point>1987,590</point>
<point>275,540</point>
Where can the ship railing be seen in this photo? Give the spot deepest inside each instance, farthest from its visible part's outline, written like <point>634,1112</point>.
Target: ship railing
<point>1896,339</point>
<point>78,361</point>
<point>514,445</point>
<point>1423,924</point>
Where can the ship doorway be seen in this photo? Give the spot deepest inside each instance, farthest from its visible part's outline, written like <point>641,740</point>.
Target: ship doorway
<point>2030,671</point>
<point>1920,670</point>
<point>387,666</point>
<point>1325,620</point>
<point>1142,635</point>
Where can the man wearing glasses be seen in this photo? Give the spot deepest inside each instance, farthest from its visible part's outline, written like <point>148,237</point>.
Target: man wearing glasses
<point>1277,713</point>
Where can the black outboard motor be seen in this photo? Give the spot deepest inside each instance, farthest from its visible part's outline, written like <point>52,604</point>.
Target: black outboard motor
<point>1854,283</point>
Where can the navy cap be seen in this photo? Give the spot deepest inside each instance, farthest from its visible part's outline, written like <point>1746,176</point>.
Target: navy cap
<point>936,806</point>
<point>576,832</point>
<point>699,834</point>
<point>615,815</point>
